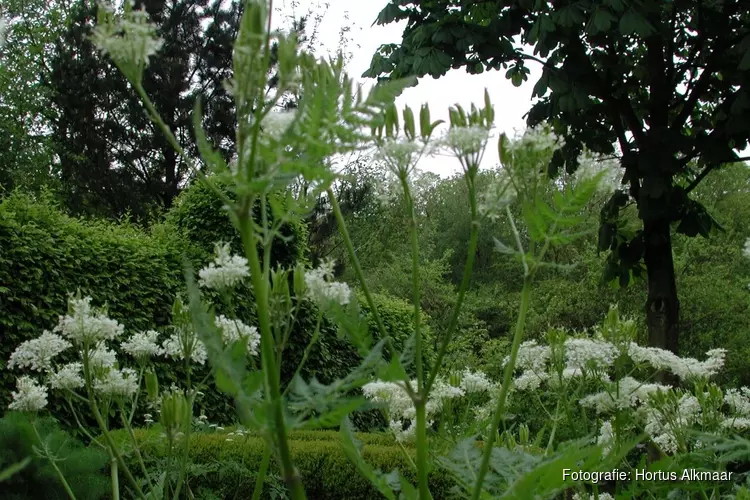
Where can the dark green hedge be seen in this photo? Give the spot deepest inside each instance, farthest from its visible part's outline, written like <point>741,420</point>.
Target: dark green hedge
<point>198,215</point>
<point>45,255</point>
<point>326,471</point>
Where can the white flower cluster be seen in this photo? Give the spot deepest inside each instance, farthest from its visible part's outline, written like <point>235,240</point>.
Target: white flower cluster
<point>601,496</point>
<point>746,250</point>
<point>401,410</point>
<point>29,396</point>
<point>37,354</point>
<point>3,31</point>
<point>142,345</point>
<point>466,141</point>
<point>233,330</point>
<point>499,194</point>
<point>323,291</point>
<point>101,357</point>
<point>606,436</point>
<point>276,123</point>
<point>589,353</point>
<point>177,345</point>
<point>664,424</point>
<point>84,324</point>
<point>738,401</point>
<point>539,138</point>
<point>626,393</point>
<point>225,272</point>
<point>117,383</point>
<point>475,382</point>
<point>67,378</point>
<point>590,165</point>
<point>128,41</point>
<point>684,368</point>
<point>401,156</point>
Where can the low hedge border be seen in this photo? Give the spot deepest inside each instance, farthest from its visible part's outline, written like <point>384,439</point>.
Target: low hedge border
<point>326,471</point>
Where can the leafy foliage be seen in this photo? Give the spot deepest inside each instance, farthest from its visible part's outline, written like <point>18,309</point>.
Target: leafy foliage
<point>83,467</point>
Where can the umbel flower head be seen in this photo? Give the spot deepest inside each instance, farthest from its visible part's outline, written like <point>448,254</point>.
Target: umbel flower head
<point>226,270</point>
<point>37,354</point>
<point>129,40</point>
<point>84,325</point>
<point>322,290</point>
<point>29,396</point>
<point>67,378</point>
<point>142,345</point>
<point>234,330</point>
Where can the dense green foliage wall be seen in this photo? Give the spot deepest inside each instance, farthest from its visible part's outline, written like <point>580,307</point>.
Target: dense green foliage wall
<point>46,255</point>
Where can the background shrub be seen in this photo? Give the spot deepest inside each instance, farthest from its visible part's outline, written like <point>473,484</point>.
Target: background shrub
<point>326,471</point>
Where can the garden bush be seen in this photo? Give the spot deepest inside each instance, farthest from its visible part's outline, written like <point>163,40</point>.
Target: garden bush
<point>325,469</point>
<point>199,216</point>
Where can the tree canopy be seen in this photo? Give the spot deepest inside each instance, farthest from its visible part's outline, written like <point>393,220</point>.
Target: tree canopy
<point>663,85</point>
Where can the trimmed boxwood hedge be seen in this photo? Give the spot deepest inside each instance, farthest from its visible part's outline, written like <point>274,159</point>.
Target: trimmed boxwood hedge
<point>326,471</point>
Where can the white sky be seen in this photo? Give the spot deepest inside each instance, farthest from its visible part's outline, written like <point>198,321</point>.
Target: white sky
<point>456,87</point>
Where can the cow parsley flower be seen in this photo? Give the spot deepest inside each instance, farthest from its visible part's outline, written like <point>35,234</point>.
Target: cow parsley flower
<point>684,368</point>
<point>225,272</point>
<point>84,324</point>
<point>738,400</point>
<point>606,436</point>
<point>276,123</point>
<point>531,356</point>
<point>530,380</point>
<point>29,396</point>
<point>475,382</point>
<point>67,378</point>
<point>117,383</point>
<point>746,250</point>
<point>323,291</point>
<point>466,141</point>
<point>129,41</point>
<point>142,345</point>
<point>101,356</point>
<point>37,354</point>
<point>233,330</point>
<point>589,353</point>
<point>399,155</point>
<point>624,394</point>
<point>175,348</point>
<point>3,31</point>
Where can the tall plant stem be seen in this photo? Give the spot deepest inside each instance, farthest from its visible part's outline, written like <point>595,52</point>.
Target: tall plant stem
<point>115,478</point>
<point>422,469</point>
<point>113,449</point>
<point>268,356</point>
<point>415,288</point>
<point>465,280</point>
<point>258,491</point>
<point>500,409</point>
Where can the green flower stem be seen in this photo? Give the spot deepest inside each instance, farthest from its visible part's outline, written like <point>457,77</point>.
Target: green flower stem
<point>422,469</point>
<point>81,427</point>
<point>137,393</point>
<point>361,278</point>
<point>500,409</point>
<point>268,358</point>
<point>258,491</point>
<point>105,431</point>
<point>473,240</point>
<point>138,455</point>
<point>415,286</point>
<point>115,478</point>
<point>58,472</point>
<point>188,428</point>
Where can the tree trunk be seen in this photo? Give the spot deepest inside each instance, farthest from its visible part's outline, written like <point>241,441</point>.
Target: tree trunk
<point>662,305</point>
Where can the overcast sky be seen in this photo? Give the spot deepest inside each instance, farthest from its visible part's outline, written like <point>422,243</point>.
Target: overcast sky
<point>510,102</point>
